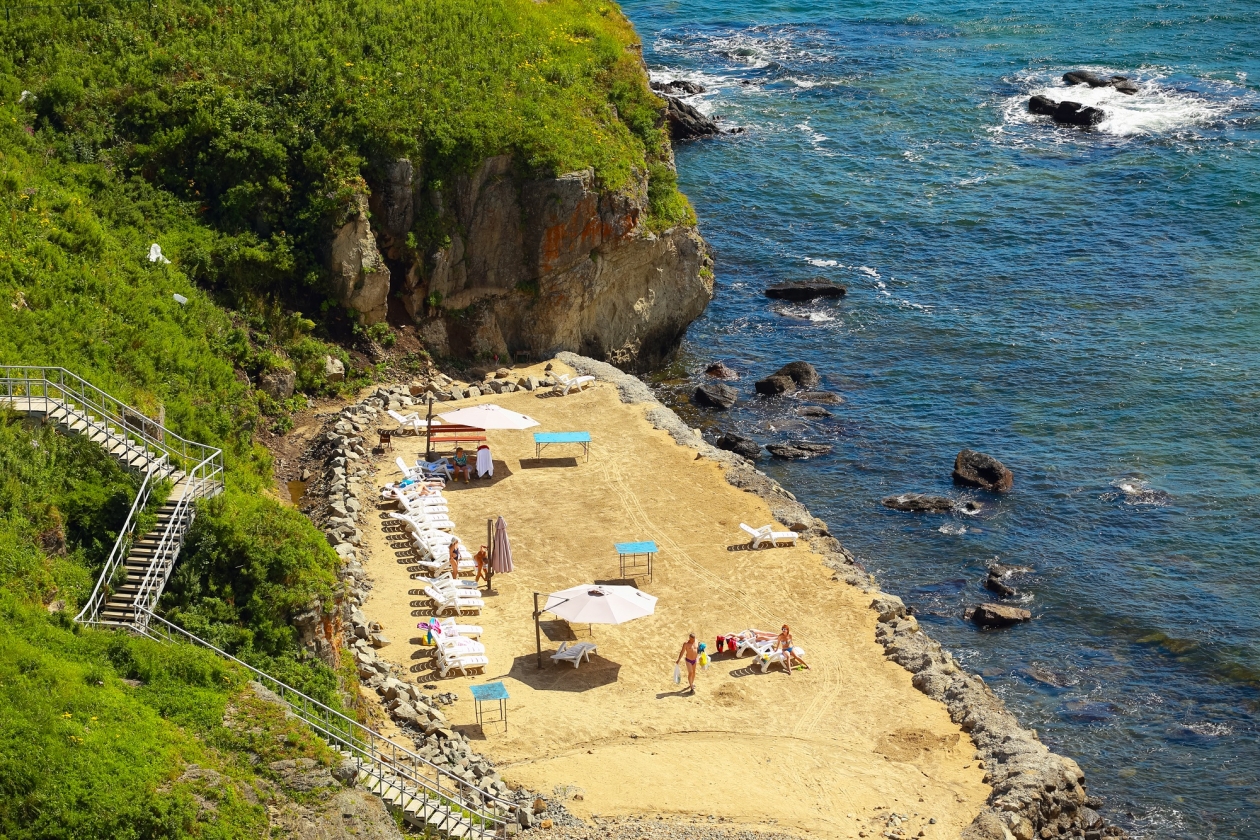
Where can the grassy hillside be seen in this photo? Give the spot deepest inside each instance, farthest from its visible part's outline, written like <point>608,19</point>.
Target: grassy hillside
<point>233,136</point>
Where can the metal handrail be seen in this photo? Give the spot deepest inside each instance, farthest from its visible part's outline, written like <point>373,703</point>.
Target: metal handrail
<point>46,381</point>
<point>375,754</point>
<point>100,593</point>
<point>168,548</point>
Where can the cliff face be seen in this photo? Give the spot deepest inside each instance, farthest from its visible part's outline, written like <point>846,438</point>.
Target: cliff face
<point>533,265</point>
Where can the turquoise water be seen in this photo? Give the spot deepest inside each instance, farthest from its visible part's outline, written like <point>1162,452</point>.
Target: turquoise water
<point>1085,305</point>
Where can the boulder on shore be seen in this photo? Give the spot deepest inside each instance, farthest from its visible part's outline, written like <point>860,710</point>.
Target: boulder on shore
<point>996,615</point>
<point>772,385</point>
<point>803,374</point>
<point>716,395</point>
<point>686,123</point>
<point>799,290</point>
<point>1084,77</point>
<point>975,469</point>
<point>720,370</point>
<point>798,450</point>
<point>740,445</point>
<point>919,503</point>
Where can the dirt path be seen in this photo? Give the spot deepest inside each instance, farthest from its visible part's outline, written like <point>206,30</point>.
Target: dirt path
<point>829,751</point>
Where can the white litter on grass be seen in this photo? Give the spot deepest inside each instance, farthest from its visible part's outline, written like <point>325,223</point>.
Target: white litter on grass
<point>155,254</point>
<point>26,94</point>
<point>180,299</point>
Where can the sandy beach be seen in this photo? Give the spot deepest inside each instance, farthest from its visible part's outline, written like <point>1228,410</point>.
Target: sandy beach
<point>829,752</point>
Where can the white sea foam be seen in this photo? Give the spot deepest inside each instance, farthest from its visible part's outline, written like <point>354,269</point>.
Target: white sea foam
<point>1136,491</point>
<point>953,529</point>
<point>805,314</point>
<point>823,263</point>
<point>1159,107</point>
<point>868,271</point>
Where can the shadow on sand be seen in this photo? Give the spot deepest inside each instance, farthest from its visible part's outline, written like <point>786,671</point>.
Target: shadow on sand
<point>547,463</point>
<point>562,676</point>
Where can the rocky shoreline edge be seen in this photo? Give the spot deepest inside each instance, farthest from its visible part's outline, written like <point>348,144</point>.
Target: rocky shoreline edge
<point>1036,793</point>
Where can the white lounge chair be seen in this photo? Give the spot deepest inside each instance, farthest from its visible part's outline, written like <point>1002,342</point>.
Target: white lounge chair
<point>412,421</point>
<point>463,664</point>
<point>566,383</point>
<point>753,645</point>
<point>444,576</point>
<point>766,535</point>
<point>778,657</point>
<point>423,469</point>
<point>574,652</point>
<point>444,603</point>
<point>444,594</point>
<point>453,647</point>
<point>450,627</point>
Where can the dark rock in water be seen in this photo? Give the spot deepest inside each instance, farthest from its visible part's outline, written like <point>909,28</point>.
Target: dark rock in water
<point>720,371</point>
<point>772,385</point>
<point>1003,570</point>
<point>996,615</point>
<point>1084,77</point>
<point>975,469</point>
<point>970,507</point>
<point>1067,113</point>
<point>824,397</point>
<point>805,290</point>
<point>813,411</point>
<point>919,503</point>
<point>740,445</point>
<point>802,373</point>
<point>798,450</point>
<point>678,86</point>
<point>686,123</point>
<point>993,583</point>
<point>716,395</point>
<point>1042,105</point>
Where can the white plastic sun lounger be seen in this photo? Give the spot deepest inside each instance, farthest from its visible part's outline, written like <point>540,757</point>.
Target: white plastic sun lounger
<point>753,646</point>
<point>566,383</point>
<point>423,469</point>
<point>452,647</point>
<point>765,535</point>
<point>451,628</point>
<point>405,421</point>
<point>467,588</point>
<point>574,652</point>
<point>463,664</point>
<point>778,657</point>
<point>447,600</point>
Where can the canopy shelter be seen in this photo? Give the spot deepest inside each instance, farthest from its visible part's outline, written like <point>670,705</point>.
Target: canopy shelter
<point>488,416</point>
<point>592,603</point>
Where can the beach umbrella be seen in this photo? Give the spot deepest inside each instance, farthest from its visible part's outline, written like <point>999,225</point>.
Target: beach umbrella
<point>500,551</point>
<point>594,604</point>
<point>489,416</point>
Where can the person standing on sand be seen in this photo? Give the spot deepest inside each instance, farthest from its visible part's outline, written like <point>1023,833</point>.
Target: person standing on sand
<point>691,652</point>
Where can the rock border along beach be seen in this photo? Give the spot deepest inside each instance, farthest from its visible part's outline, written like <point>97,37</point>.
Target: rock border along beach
<point>1035,792</point>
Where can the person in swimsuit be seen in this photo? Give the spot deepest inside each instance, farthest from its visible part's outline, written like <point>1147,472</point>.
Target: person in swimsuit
<point>455,547</point>
<point>482,561</point>
<point>691,652</point>
<point>790,651</point>
<point>461,464</point>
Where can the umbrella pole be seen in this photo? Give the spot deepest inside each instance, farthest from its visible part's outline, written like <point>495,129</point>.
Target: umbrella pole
<point>490,559</point>
<point>428,442</point>
<point>537,631</point>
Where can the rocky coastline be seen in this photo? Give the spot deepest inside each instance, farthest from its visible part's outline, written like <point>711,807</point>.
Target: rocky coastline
<point>1035,793</point>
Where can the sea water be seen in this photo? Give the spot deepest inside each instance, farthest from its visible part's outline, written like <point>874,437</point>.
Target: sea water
<point>1082,304</point>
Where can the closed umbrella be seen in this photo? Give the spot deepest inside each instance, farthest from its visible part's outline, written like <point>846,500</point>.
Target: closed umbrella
<point>500,552</point>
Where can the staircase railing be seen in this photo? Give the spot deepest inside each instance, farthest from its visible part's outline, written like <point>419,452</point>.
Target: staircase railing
<point>122,545</point>
<point>378,756</point>
<point>57,384</point>
<point>200,483</point>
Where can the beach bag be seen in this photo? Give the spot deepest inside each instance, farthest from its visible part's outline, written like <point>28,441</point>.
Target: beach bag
<point>677,674</point>
<point>721,641</point>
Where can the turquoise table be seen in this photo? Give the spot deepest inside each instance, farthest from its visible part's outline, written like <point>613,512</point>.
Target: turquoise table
<point>490,692</point>
<point>635,550</point>
<point>543,439</point>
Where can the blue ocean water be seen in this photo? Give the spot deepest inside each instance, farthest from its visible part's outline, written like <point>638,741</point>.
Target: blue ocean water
<point>1085,305</point>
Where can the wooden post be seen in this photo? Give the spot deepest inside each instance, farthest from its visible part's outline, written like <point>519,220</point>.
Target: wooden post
<point>490,556</point>
<point>537,631</point>
<point>429,457</point>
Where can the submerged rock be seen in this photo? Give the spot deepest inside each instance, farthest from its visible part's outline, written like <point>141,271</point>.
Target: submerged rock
<point>1084,77</point>
<point>994,584</point>
<point>813,411</point>
<point>772,385</point>
<point>919,503</point>
<point>996,615</point>
<point>803,374</point>
<point>716,395</point>
<point>720,370</point>
<point>1067,113</point>
<point>740,445</point>
<point>798,450</point>
<point>824,397</point>
<point>975,469</point>
<point>799,290</point>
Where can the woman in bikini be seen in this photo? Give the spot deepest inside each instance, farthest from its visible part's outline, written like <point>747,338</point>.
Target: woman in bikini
<point>481,558</point>
<point>690,651</point>
<point>454,556</point>
<point>790,651</point>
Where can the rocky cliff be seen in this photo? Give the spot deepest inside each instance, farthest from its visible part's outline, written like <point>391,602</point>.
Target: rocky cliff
<point>524,264</point>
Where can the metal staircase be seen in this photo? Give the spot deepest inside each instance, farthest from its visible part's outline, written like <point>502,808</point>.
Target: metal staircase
<point>429,798</point>
<point>136,571</point>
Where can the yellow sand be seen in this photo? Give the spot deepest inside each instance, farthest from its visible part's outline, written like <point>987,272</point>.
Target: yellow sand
<point>817,752</point>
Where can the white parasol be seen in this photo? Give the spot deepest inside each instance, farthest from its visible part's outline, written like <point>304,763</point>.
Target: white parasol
<point>489,416</point>
<point>593,604</point>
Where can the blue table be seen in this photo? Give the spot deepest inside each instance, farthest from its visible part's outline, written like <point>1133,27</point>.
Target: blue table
<point>543,439</point>
<point>490,691</point>
<point>634,550</point>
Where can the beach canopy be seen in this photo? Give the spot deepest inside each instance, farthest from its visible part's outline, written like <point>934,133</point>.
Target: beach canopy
<point>501,553</point>
<point>489,416</point>
<point>594,604</point>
